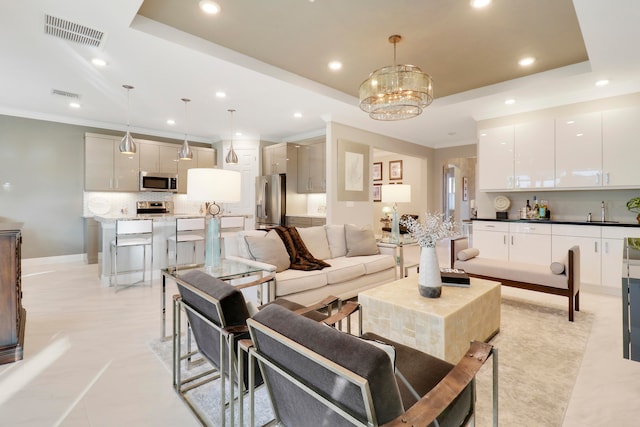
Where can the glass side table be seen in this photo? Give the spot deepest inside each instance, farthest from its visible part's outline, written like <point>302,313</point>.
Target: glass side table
<point>227,271</point>
<point>398,247</point>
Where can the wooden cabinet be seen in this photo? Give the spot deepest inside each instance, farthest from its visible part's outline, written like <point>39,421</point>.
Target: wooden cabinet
<point>620,148</point>
<point>274,159</point>
<point>311,168</point>
<point>578,151</point>
<point>305,221</point>
<point>587,237</point>
<point>106,169</point>
<point>158,157</point>
<point>491,238</point>
<point>495,157</point>
<point>534,165</point>
<point>12,315</point>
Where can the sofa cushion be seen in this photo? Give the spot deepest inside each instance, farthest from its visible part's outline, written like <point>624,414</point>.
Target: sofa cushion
<point>336,239</point>
<point>315,239</point>
<point>375,263</point>
<point>557,267</point>
<point>468,253</point>
<point>360,240</point>
<point>518,272</point>
<point>269,249</point>
<point>243,249</point>
<point>292,281</point>
<point>343,269</point>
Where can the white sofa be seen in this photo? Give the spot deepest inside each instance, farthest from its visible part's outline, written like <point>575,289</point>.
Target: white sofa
<point>356,262</point>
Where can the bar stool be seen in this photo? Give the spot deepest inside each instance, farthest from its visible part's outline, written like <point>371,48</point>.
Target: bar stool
<point>129,234</point>
<point>188,230</point>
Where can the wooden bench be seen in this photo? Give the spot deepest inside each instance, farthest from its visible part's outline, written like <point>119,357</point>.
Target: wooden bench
<point>525,276</point>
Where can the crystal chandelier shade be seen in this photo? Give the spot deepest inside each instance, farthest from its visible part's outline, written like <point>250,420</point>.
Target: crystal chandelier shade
<point>396,92</point>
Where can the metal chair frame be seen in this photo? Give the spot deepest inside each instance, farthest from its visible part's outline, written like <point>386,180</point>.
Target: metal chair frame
<point>186,229</point>
<point>131,233</point>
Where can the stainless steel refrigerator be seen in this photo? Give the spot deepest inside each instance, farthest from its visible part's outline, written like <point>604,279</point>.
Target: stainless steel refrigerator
<point>271,200</point>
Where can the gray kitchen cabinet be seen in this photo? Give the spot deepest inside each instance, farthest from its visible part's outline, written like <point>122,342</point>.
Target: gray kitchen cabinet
<point>106,169</point>
<point>202,158</point>
<point>274,159</point>
<point>311,167</point>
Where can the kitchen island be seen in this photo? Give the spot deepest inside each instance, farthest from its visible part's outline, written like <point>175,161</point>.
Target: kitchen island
<point>164,227</point>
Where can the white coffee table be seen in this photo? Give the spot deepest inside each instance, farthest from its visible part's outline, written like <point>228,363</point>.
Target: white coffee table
<point>442,327</point>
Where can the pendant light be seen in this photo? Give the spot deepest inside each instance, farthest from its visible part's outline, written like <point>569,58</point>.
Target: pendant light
<point>232,157</point>
<point>185,152</point>
<point>127,145</point>
<point>396,92</point>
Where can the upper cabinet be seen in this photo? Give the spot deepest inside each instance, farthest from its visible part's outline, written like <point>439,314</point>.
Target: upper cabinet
<point>591,150</point>
<point>311,167</point>
<point>495,152</point>
<point>106,169</point>
<point>579,151</point>
<point>274,159</point>
<point>533,159</point>
<point>620,147</point>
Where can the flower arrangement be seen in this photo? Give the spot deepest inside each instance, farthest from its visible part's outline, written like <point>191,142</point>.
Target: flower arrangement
<point>434,228</point>
<point>633,205</point>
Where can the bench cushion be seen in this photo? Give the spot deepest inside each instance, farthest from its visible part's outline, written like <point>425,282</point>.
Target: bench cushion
<point>517,272</point>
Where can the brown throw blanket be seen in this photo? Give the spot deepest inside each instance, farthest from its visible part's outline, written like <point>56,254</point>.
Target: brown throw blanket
<point>301,258</point>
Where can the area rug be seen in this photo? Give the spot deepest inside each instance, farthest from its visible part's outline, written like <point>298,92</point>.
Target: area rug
<point>207,397</point>
<point>539,355</point>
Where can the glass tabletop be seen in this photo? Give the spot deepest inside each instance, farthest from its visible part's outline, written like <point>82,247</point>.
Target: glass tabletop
<point>408,240</point>
<point>226,270</point>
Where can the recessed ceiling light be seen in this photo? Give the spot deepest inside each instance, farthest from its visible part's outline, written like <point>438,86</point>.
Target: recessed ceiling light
<point>171,122</point>
<point>99,62</point>
<point>525,62</point>
<point>480,3</point>
<point>335,65</point>
<point>220,94</point>
<point>209,7</point>
<point>570,122</point>
<point>579,134</point>
<point>510,101</point>
<point>74,105</point>
<point>603,82</point>
<point>238,133</point>
<point>297,115</point>
<point>483,134</point>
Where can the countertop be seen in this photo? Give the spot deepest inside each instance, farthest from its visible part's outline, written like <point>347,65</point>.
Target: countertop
<point>5,226</point>
<point>159,217</point>
<point>562,221</point>
<point>307,215</point>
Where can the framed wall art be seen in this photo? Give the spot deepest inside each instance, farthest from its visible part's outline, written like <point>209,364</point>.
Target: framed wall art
<point>377,171</point>
<point>377,192</point>
<point>353,176</point>
<point>395,169</point>
<point>465,188</point>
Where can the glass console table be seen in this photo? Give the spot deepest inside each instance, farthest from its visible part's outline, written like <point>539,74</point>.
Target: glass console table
<point>228,271</point>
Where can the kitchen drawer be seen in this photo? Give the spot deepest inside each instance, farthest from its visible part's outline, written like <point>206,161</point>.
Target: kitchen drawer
<point>576,230</point>
<point>609,232</point>
<point>491,226</point>
<point>530,228</point>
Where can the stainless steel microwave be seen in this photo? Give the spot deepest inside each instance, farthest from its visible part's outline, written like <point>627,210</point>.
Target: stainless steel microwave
<point>157,181</point>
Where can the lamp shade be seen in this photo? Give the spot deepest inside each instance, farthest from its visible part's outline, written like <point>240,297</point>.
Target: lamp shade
<point>396,193</point>
<point>214,185</point>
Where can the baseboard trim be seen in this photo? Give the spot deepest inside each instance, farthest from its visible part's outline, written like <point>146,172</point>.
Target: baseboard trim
<point>601,290</point>
<point>62,259</point>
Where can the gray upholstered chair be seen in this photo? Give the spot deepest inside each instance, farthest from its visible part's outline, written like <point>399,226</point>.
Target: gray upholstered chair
<point>317,375</point>
<point>217,315</point>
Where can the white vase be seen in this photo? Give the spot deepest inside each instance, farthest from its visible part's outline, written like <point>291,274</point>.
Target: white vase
<point>429,281</point>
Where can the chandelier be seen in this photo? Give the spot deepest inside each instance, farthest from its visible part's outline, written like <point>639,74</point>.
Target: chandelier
<point>396,92</point>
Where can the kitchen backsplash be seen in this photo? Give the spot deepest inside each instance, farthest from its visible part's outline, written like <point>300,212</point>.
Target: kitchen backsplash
<point>103,203</point>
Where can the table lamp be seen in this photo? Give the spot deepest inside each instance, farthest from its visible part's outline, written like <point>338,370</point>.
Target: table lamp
<point>213,186</point>
<point>395,193</point>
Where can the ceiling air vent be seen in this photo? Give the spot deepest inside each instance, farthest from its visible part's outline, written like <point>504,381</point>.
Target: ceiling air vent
<point>65,93</point>
<point>71,31</point>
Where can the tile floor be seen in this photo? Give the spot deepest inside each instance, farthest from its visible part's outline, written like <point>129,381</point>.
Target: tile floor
<point>87,361</point>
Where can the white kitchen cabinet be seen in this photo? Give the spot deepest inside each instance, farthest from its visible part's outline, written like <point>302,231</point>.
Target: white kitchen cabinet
<point>492,239</point>
<point>612,253</point>
<point>620,148</point>
<point>495,157</point>
<point>578,151</point>
<point>106,169</point>
<point>274,159</point>
<point>158,156</point>
<point>311,168</point>
<point>534,165</point>
<point>588,238</point>
<point>530,243</point>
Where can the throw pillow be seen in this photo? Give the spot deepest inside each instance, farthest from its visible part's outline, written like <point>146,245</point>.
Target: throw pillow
<point>243,249</point>
<point>467,254</point>
<point>337,242</point>
<point>360,241</point>
<point>557,267</point>
<point>269,250</point>
<point>315,239</point>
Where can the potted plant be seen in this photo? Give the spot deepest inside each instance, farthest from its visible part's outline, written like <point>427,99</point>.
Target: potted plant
<point>434,228</point>
<point>633,205</point>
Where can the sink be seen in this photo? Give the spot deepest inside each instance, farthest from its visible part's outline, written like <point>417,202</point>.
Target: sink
<point>603,222</point>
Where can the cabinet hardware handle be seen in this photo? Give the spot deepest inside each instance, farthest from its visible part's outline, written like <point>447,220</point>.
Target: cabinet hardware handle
<point>595,245</point>
<point>511,240</point>
<point>490,226</point>
<point>606,248</point>
<point>504,239</point>
<point>607,178</point>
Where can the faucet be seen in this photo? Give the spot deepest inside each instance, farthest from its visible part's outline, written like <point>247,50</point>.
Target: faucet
<point>602,212</point>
